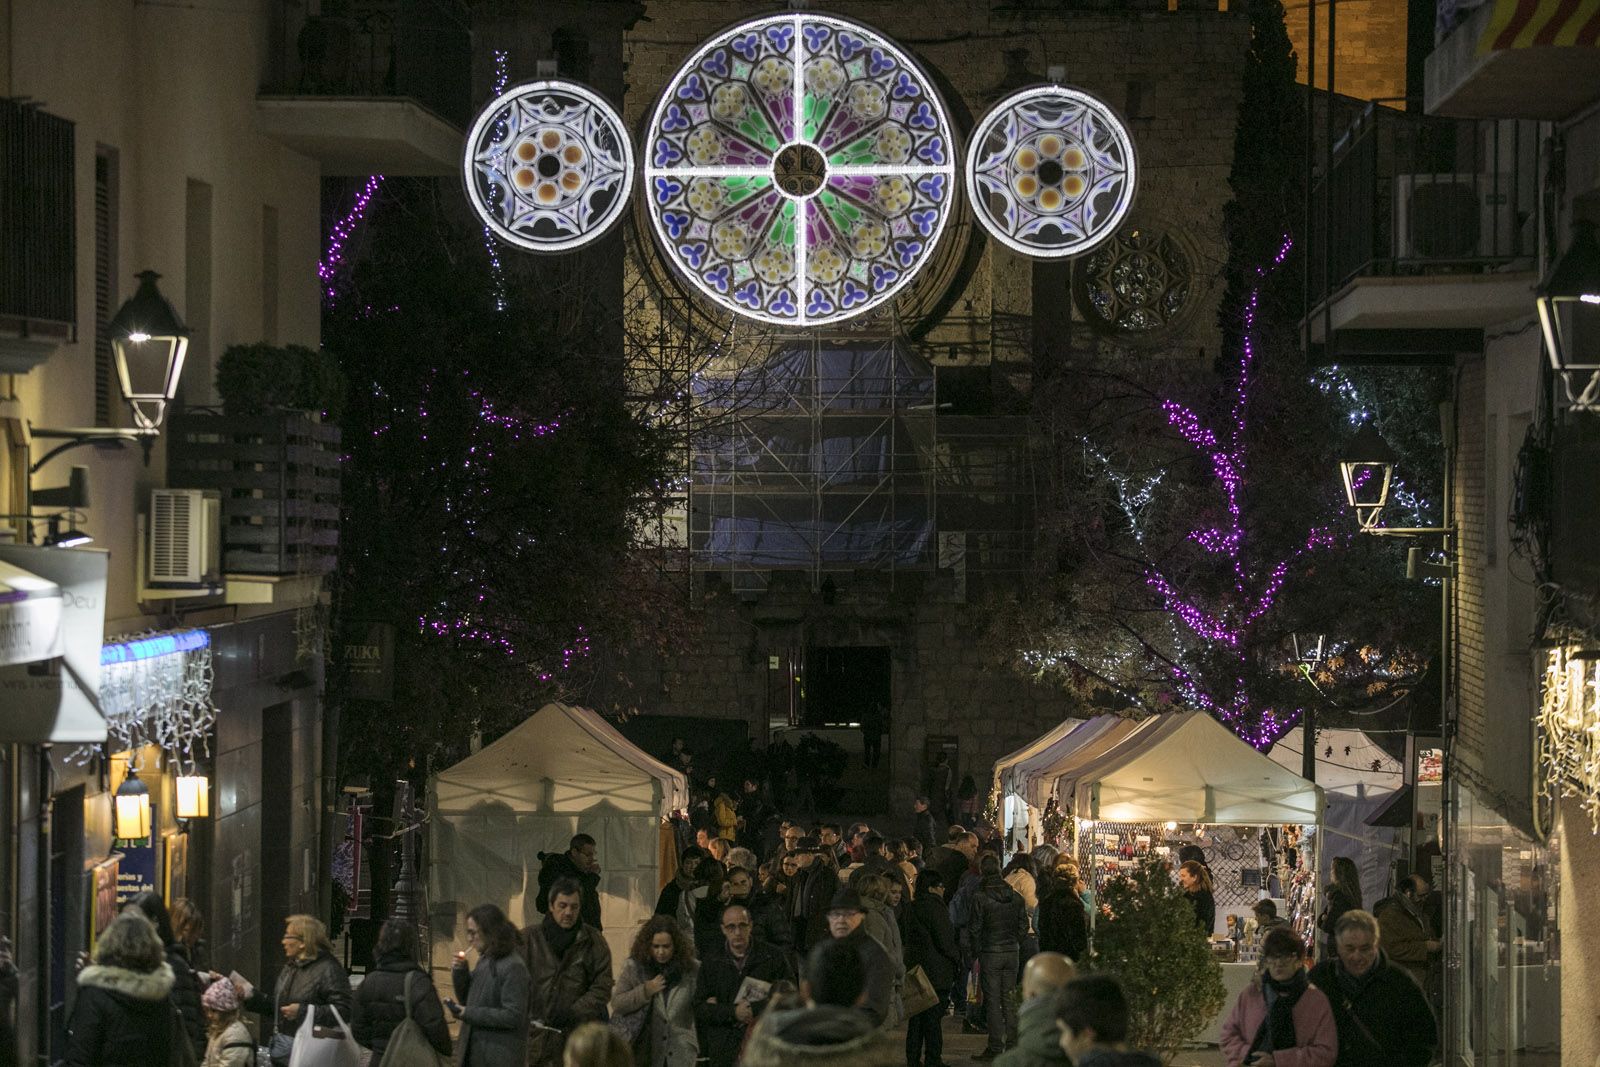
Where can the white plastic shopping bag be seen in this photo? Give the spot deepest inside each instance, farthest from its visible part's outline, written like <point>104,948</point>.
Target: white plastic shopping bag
<point>324,1040</point>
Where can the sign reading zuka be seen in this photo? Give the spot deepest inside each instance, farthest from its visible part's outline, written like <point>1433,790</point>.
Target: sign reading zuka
<point>369,663</point>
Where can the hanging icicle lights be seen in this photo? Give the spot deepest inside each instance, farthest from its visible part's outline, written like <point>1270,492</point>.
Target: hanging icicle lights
<point>156,689</point>
<point>1569,730</point>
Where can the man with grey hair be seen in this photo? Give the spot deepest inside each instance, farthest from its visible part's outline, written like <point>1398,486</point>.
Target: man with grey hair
<point>1381,1014</point>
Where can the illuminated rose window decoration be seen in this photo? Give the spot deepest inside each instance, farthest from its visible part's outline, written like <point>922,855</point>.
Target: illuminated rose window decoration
<point>1140,282</point>
<point>549,166</point>
<point>1051,172</point>
<point>799,169</point>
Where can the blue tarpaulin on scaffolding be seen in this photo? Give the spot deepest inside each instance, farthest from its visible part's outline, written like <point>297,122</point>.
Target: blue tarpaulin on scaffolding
<point>824,418</point>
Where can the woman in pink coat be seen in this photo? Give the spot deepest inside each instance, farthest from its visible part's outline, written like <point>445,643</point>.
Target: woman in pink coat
<point>1282,1020</point>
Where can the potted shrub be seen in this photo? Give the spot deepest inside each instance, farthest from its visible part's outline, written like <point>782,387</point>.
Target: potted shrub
<point>1148,939</point>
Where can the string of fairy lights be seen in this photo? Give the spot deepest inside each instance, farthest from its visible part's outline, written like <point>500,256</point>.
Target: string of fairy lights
<point>1569,731</point>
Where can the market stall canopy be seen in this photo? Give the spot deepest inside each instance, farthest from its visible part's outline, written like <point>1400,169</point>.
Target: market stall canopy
<point>498,814</point>
<point>562,759</point>
<point>1031,771</point>
<point>1187,767</point>
<point>1348,762</point>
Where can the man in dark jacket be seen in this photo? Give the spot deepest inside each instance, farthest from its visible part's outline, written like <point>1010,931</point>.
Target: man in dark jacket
<point>1408,940</point>
<point>930,943</point>
<point>1038,1040</point>
<point>814,886</point>
<point>953,859</point>
<point>682,882</point>
<point>771,921</point>
<point>996,926</point>
<point>845,916</point>
<point>1381,1015</point>
<point>569,974</point>
<point>579,863</point>
<point>720,1014</point>
<point>1063,923</point>
<point>1092,1018</point>
<point>923,826</point>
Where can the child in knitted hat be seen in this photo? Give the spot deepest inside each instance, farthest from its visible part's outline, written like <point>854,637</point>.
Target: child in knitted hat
<point>228,1043</point>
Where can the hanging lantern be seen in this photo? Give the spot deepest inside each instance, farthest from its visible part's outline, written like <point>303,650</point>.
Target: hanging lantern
<point>1569,314</point>
<point>132,808</point>
<point>1367,470</point>
<point>149,342</point>
<point>194,796</point>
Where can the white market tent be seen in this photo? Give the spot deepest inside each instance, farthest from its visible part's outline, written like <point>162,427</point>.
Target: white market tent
<point>562,771</point>
<point>1025,778</point>
<point>1358,777</point>
<point>1188,767</point>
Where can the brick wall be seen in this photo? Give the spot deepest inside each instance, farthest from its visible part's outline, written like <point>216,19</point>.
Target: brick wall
<point>1470,636</point>
<point>1370,53</point>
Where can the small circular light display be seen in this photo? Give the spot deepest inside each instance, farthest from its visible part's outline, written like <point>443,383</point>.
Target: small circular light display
<point>1051,172</point>
<point>548,165</point>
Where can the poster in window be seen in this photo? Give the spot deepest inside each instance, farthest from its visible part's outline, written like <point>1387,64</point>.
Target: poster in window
<point>102,897</point>
<point>177,867</point>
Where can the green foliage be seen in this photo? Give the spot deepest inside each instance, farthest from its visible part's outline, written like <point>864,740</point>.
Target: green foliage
<point>258,379</point>
<point>1150,941</point>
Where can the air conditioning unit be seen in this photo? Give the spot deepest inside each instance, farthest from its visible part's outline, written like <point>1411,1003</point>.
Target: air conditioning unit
<point>185,538</point>
<point>1454,217</point>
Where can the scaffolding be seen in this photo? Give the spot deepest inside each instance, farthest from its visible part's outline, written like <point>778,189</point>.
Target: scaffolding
<point>824,462</point>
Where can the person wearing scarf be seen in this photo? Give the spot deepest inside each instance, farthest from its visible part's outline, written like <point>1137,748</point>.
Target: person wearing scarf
<point>1282,1021</point>
<point>653,1003</point>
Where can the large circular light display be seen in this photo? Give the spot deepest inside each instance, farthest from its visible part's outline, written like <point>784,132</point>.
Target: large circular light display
<point>799,169</point>
<point>1050,172</point>
<point>549,165</point>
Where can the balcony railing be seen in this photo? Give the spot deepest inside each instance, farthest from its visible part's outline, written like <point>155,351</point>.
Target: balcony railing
<point>37,256</point>
<point>1417,195</point>
<point>419,49</point>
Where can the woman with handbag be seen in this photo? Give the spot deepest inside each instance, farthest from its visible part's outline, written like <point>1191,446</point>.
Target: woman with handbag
<point>930,943</point>
<point>652,1006</point>
<point>123,1015</point>
<point>311,977</point>
<point>494,1017</point>
<point>396,989</point>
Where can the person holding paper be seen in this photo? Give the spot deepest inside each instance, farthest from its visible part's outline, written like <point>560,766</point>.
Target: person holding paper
<point>735,985</point>
<point>569,968</point>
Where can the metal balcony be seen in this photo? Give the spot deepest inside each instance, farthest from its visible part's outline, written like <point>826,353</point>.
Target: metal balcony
<point>1423,235</point>
<point>370,86</point>
<point>38,305</point>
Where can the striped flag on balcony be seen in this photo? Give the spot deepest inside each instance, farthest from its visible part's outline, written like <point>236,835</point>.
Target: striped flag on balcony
<point>1541,24</point>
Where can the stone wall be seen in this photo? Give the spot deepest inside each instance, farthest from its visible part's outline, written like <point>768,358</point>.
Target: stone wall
<point>1173,74</point>
<point>943,683</point>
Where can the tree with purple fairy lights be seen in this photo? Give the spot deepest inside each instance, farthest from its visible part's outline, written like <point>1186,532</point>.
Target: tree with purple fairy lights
<point>1189,533</point>
<point>1193,540</point>
<point>493,471</point>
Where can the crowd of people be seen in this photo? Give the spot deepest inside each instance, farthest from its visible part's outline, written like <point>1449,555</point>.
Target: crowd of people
<point>775,944</point>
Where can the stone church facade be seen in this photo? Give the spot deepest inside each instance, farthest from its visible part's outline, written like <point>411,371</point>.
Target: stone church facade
<point>783,647</point>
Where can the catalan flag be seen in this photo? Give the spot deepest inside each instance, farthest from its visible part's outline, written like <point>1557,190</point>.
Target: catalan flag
<point>1542,23</point>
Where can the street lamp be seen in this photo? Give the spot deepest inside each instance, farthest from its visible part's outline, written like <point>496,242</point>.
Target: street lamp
<point>1367,470</point>
<point>132,808</point>
<point>193,796</point>
<point>1569,313</point>
<point>149,342</point>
